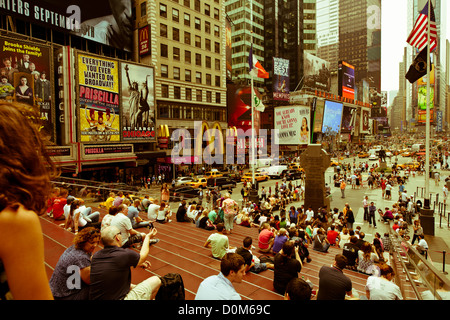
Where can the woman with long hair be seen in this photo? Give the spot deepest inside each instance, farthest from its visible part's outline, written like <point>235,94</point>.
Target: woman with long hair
<point>366,259</point>
<point>164,213</point>
<point>25,176</point>
<point>165,194</point>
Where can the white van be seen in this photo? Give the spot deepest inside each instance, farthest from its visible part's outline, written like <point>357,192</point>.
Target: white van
<point>275,171</point>
<point>267,162</point>
<point>417,147</point>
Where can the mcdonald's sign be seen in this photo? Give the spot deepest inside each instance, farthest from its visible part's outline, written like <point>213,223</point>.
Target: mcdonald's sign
<point>144,40</point>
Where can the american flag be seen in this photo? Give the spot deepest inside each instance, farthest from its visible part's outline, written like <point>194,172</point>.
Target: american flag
<point>418,36</point>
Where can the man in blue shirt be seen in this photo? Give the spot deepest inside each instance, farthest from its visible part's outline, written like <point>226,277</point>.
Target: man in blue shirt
<point>220,287</point>
<point>133,215</point>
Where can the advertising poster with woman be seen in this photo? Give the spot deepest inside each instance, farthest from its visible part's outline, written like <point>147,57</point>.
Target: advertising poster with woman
<point>25,76</point>
<point>305,127</point>
<point>138,102</point>
<point>98,92</point>
<point>292,125</point>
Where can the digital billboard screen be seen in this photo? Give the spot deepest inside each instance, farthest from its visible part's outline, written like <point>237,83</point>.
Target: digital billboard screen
<point>346,78</point>
<point>332,117</point>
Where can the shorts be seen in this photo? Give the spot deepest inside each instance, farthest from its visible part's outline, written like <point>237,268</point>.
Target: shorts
<point>144,290</point>
<point>388,192</point>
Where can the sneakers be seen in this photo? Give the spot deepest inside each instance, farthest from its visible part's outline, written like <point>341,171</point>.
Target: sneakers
<point>153,241</point>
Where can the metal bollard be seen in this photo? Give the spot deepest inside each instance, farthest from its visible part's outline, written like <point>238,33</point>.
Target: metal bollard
<point>443,262</point>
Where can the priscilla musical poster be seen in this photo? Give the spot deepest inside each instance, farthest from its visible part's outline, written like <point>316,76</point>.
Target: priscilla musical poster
<point>98,94</point>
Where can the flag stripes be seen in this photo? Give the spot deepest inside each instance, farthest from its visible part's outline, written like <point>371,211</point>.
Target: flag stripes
<point>419,35</point>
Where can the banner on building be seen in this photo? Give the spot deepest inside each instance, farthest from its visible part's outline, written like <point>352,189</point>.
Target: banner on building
<point>280,79</point>
<point>98,96</point>
<point>27,77</point>
<point>348,123</point>
<point>293,125</point>
<point>144,40</point>
<point>365,123</point>
<point>107,22</point>
<point>138,102</point>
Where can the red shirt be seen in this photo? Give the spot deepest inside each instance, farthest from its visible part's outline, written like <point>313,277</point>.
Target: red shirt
<point>331,236</point>
<point>58,207</point>
<point>264,237</point>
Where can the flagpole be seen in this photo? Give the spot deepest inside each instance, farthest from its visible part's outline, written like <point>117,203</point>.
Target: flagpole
<point>253,99</point>
<point>427,127</point>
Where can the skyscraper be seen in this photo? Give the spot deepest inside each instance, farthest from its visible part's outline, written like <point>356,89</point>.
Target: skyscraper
<point>360,41</point>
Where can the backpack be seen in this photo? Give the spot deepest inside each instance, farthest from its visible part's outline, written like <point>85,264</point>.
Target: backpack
<point>265,259</point>
<point>172,287</point>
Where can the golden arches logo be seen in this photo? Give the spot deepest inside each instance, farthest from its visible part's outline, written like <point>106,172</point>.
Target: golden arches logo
<point>143,34</point>
<point>163,130</point>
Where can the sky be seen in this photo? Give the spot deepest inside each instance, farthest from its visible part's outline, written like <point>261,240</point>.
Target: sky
<point>393,39</point>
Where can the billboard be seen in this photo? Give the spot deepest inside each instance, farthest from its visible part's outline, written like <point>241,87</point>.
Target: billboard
<point>228,49</point>
<point>293,125</point>
<point>280,79</point>
<point>422,104</point>
<point>107,22</point>
<point>138,102</point>
<point>332,117</point>
<point>346,80</point>
<point>26,76</point>
<point>422,97</point>
<point>144,40</point>
<point>365,124</point>
<point>98,97</point>
<point>316,72</point>
<point>318,115</point>
<point>348,119</point>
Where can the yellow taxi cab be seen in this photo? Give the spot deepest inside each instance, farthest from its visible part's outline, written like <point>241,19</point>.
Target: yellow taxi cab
<point>335,163</point>
<point>409,165</point>
<point>407,154</point>
<point>363,155</point>
<point>258,177</point>
<point>213,174</point>
<point>197,182</point>
<point>295,166</point>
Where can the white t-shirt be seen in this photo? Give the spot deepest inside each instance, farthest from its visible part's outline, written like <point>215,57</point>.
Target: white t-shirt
<point>152,212</point>
<point>122,222</point>
<point>423,244</point>
<point>382,289</point>
<point>162,214</point>
<point>309,215</point>
<point>66,210</point>
<point>81,221</point>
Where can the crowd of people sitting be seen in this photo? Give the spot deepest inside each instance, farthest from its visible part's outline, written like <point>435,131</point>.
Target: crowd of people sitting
<point>286,233</point>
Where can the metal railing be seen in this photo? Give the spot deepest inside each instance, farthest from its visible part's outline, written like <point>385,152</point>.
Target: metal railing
<point>425,280</point>
<point>98,190</point>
